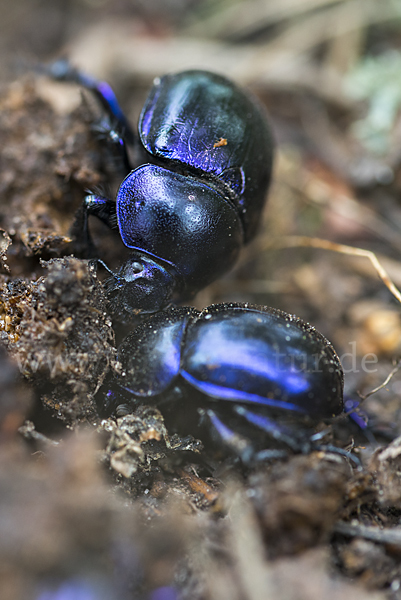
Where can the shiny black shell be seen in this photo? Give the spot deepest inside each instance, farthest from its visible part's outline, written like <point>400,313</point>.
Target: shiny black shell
<point>203,123</point>
<point>234,353</point>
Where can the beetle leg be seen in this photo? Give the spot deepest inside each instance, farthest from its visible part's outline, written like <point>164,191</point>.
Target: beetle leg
<point>102,208</point>
<point>356,414</point>
<point>114,126</point>
<point>239,445</point>
<point>233,441</point>
<point>334,450</point>
<point>105,130</point>
<point>269,454</point>
<point>83,244</point>
<point>291,437</point>
<point>281,433</point>
<point>62,70</point>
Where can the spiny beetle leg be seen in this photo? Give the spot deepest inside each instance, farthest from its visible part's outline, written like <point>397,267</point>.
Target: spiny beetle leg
<point>106,130</point>
<point>114,127</point>
<point>102,208</point>
<point>79,231</point>
<point>62,70</point>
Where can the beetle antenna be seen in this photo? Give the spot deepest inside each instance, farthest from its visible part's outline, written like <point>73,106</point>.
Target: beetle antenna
<point>111,282</point>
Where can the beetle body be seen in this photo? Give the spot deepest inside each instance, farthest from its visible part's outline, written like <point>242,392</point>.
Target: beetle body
<point>186,214</point>
<point>239,365</point>
<point>182,122</point>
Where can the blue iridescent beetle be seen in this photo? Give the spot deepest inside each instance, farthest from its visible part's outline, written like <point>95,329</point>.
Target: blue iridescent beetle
<point>246,371</point>
<point>186,213</point>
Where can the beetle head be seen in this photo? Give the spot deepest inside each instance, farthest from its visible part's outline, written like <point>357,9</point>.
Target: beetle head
<point>142,285</point>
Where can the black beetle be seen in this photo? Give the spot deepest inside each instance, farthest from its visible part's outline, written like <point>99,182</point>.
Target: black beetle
<point>186,214</point>
<point>250,371</point>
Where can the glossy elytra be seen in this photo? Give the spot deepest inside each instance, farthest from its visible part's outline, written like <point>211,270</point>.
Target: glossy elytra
<point>250,372</point>
<point>187,212</point>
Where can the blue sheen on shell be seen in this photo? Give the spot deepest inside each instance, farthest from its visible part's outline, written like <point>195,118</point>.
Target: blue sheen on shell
<point>235,354</point>
<point>151,354</point>
<point>180,220</point>
<point>248,355</point>
<point>182,121</point>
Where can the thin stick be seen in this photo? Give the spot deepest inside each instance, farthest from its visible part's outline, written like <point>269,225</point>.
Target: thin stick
<point>310,242</point>
<point>388,535</point>
<point>382,385</point>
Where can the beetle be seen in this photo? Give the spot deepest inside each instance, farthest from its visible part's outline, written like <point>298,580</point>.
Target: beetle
<point>250,373</point>
<point>186,213</point>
